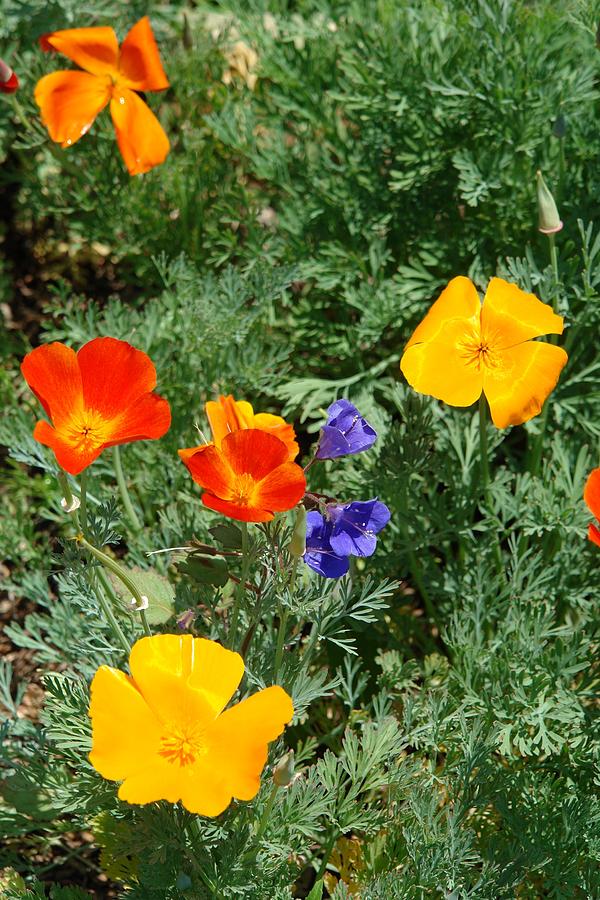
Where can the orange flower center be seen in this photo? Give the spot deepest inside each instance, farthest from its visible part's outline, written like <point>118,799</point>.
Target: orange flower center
<point>182,744</point>
<point>243,489</point>
<point>478,351</point>
<point>87,431</point>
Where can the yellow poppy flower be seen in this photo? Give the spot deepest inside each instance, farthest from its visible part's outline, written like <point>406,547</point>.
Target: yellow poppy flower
<point>464,347</point>
<point>165,733</point>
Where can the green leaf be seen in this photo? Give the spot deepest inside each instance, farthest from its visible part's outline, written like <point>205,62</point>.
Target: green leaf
<point>227,535</point>
<point>317,891</point>
<point>155,587</point>
<point>205,569</point>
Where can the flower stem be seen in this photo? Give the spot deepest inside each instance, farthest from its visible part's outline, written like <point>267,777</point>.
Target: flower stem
<point>83,502</point>
<point>483,447</point>
<point>283,617</point>
<point>114,567</point>
<point>264,819</point>
<point>326,854</point>
<point>107,608</point>
<point>240,586</point>
<point>128,505</point>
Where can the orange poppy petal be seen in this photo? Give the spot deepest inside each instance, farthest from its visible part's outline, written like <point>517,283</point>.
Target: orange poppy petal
<point>124,729</point>
<point>226,415</point>
<point>443,371</point>
<point>161,666</point>
<point>69,102</point>
<point>142,141</point>
<point>94,49</point>
<point>210,468</point>
<point>519,381</point>
<point>594,534</point>
<point>140,67</point>
<point>240,736</point>
<point>52,373</point>
<point>510,316</point>
<point>114,375</point>
<point>591,493</point>
<point>148,419</point>
<point>282,488</point>
<point>459,300</point>
<point>253,452</point>
<point>71,457</point>
<point>241,512</point>
<point>216,673</point>
<point>281,429</point>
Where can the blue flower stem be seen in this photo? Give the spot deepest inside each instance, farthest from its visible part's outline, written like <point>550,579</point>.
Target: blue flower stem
<point>127,504</point>
<point>240,587</point>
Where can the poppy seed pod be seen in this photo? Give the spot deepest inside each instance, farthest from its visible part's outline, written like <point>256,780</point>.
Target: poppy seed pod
<point>297,545</point>
<point>549,221</point>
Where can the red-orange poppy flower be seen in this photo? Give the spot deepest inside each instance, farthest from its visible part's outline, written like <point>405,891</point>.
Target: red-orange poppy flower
<point>8,80</point>
<point>591,495</point>
<point>249,477</point>
<point>70,101</point>
<point>226,415</point>
<point>96,398</point>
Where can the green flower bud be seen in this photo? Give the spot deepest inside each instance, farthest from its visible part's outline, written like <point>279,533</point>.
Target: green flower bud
<point>283,773</point>
<point>298,542</point>
<point>549,221</point>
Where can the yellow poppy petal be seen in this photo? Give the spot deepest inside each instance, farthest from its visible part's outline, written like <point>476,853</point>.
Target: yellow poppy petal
<point>518,380</point>
<point>206,792</point>
<point>161,666</point>
<point>124,729</point>
<point>216,673</point>
<point>510,316</point>
<point>239,738</point>
<point>155,780</point>
<point>444,370</point>
<point>459,300</point>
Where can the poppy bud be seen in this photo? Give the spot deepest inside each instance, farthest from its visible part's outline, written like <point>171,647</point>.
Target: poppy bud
<point>283,773</point>
<point>187,38</point>
<point>8,80</point>
<point>297,545</point>
<point>549,221</point>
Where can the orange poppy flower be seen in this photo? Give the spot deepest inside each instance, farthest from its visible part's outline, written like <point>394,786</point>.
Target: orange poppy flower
<point>248,477</point>
<point>226,415</point>
<point>591,495</point>
<point>165,733</point>
<point>96,398</point>
<point>464,347</point>
<point>9,82</point>
<point>70,101</point>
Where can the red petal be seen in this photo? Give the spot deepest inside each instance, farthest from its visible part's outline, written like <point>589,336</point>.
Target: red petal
<point>69,102</point>
<point>282,488</point>
<point>253,452</point>
<point>147,419</point>
<point>210,469</point>
<point>235,511</point>
<point>594,535</point>
<point>69,458</point>
<point>53,375</point>
<point>115,375</point>
<point>591,492</point>
<point>139,65</point>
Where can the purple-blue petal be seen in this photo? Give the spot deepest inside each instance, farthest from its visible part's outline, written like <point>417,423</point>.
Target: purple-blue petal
<point>355,526</point>
<point>327,563</point>
<point>345,432</point>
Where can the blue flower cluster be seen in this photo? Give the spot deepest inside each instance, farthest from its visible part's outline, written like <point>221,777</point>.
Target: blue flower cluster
<point>343,530</point>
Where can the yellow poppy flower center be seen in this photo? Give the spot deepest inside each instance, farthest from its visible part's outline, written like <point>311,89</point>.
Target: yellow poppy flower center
<point>87,431</point>
<point>478,351</point>
<point>243,489</point>
<point>182,744</point>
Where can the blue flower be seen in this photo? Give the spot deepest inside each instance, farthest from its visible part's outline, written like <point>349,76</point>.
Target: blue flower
<point>345,432</point>
<point>343,531</point>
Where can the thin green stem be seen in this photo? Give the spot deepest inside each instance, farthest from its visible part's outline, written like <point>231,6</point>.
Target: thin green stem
<point>145,625</point>
<point>264,819</point>
<point>128,505</point>
<point>326,854</point>
<point>483,447</point>
<point>240,586</point>
<point>83,501</point>
<point>114,567</point>
<point>106,608</point>
<point>283,618</point>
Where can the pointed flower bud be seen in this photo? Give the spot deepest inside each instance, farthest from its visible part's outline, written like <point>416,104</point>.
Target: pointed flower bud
<point>283,773</point>
<point>298,542</point>
<point>549,221</point>
<point>8,80</point>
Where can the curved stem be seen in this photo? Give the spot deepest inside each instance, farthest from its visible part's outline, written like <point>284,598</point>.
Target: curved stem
<point>128,505</point>
<point>114,567</point>
<point>240,587</point>
<point>107,609</point>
